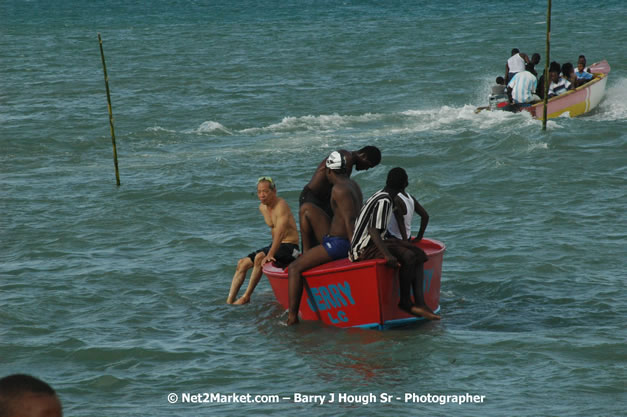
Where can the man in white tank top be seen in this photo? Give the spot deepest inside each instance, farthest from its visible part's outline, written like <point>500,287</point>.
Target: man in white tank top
<point>515,64</point>
<point>405,206</point>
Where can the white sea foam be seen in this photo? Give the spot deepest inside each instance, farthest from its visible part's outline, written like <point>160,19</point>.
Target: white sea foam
<point>613,106</point>
<point>209,127</point>
<point>320,123</point>
<point>159,129</point>
<point>537,145</point>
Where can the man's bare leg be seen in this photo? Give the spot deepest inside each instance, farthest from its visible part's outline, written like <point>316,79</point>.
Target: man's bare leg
<point>314,224</point>
<point>255,277</point>
<point>314,257</point>
<point>423,311</point>
<point>420,306</point>
<point>411,277</point>
<point>243,265</point>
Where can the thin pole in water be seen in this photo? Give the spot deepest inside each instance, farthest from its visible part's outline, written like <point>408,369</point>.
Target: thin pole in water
<point>547,77</point>
<point>106,78</point>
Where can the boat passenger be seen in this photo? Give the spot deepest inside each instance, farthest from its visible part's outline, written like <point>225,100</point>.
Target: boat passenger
<point>371,242</point>
<point>282,250</point>
<point>521,89</point>
<point>540,87</point>
<point>500,87</point>
<point>315,207</point>
<point>583,73</point>
<point>404,207</point>
<point>515,64</point>
<point>531,66</point>
<point>346,200</point>
<point>568,72</point>
<point>27,396</point>
<point>558,85</point>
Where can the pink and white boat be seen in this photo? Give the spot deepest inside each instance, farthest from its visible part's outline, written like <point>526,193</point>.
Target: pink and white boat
<point>578,101</point>
<point>359,294</point>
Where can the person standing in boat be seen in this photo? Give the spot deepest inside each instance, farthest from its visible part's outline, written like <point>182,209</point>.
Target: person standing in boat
<point>282,250</point>
<point>346,200</point>
<point>531,66</point>
<point>370,241</point>
<point>315,204</point>
<point>516,63</point>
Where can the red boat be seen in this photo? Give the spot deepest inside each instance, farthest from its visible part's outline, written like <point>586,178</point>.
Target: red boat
<point>359,294</point>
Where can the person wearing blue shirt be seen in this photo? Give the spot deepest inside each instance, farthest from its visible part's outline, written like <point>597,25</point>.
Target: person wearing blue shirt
<point>582,73</point>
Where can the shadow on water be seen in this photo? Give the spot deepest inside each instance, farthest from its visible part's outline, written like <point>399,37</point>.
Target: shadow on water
<point>348,358</point>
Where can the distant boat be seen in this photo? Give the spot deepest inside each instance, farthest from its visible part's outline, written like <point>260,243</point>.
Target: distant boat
<point>359,294</point>
<point>578,101</point>
<point>572,103</point>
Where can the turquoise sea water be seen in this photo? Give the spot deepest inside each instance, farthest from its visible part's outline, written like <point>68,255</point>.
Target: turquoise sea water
<point>115,296</point>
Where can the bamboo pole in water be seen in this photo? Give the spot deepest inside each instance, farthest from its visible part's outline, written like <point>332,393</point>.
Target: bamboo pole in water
<point>547,77</point>
<point>106,78</point>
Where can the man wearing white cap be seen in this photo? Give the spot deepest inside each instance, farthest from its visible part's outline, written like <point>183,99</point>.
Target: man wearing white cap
<point>346,200</point>
<point>315,209</point>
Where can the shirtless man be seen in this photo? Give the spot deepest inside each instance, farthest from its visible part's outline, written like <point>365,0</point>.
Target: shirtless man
<point>282,250</point>
<point>346,201</point>
<point>26,396</point>
<point>315,210</point>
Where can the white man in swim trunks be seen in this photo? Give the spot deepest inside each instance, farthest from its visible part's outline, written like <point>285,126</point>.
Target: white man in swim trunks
<point>282,250</point>
<point>346,201</point>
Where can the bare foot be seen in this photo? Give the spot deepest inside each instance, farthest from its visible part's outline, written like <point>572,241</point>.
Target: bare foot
<point>244,299</point>
<point>292,319</point>
<point>423,312</point>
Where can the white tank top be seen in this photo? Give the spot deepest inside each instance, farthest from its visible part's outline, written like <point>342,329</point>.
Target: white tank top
<point>516,63</point>
<point>393,228</point>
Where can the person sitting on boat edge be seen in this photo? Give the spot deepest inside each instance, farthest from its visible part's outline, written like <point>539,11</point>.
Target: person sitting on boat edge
<point>346,200</point>
<point>583,73</point>
<point>515,64</point>
<point>371,242</point>
<point>521,88</point>
<point>404,207</point>
<point>558,85</point>
<point>26,396</point>
<point>314,202</point>
<point>283,249</point>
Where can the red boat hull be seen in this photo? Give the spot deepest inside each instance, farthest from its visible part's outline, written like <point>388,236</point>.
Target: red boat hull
<point>359,294</point>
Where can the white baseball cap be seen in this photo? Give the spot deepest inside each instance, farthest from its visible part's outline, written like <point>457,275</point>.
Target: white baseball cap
<point>336,161</point>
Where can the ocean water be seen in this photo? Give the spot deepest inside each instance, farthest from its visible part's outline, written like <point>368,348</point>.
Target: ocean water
<point>115,295</point>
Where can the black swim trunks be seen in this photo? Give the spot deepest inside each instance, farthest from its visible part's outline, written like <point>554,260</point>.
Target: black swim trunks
<point>286,253</point>
<point>308,196</point>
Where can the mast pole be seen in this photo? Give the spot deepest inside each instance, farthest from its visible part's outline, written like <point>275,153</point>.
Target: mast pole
<point>106,78</point>
<point>547,78</point>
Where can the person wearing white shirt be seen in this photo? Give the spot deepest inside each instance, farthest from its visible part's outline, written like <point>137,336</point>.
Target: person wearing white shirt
<point>516,63</point>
